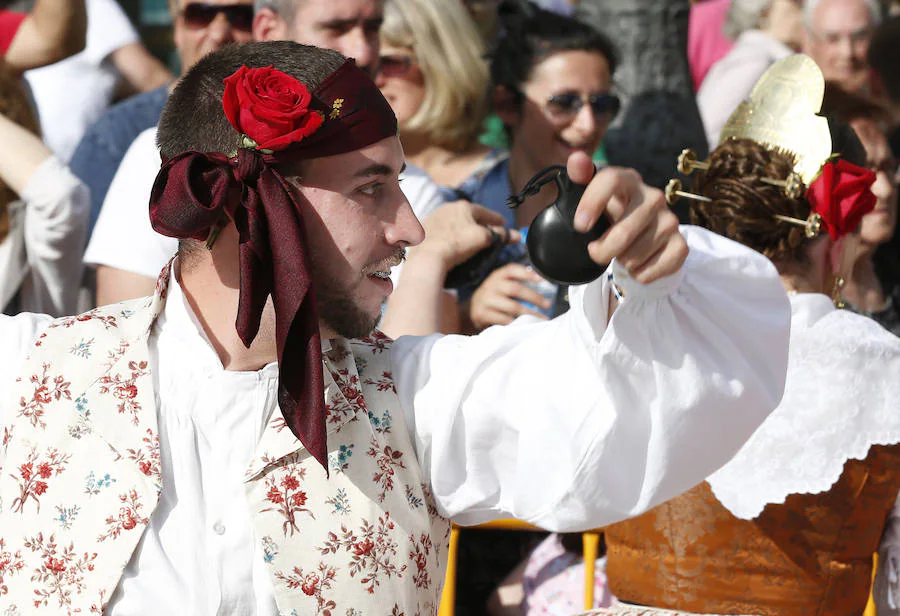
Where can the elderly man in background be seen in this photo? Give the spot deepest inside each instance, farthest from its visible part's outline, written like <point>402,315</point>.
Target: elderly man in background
<point>348,26</point>
<point>837,37</point>
<point>199,28</point>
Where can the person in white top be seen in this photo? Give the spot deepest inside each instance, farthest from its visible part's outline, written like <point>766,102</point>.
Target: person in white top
<point>764,32</point>
<point>70,95</point>
<point>43,214</point>
<point>195,424</point>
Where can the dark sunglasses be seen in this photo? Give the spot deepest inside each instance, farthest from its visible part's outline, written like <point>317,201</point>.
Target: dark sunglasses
<point>395,65</point>
<point>569,104</point>
<point>198,15</point>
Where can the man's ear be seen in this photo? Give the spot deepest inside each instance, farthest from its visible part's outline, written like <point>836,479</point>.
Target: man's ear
<point>269,26</point>
<point>506,105</point>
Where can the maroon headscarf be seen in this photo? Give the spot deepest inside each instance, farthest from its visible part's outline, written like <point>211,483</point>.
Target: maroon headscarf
<point>279,120</point>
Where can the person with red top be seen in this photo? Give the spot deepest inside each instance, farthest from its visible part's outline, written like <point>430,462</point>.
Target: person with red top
<point>52,31</point>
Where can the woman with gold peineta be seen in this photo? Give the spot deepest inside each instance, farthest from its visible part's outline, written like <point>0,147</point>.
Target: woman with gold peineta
<point>789,526</point>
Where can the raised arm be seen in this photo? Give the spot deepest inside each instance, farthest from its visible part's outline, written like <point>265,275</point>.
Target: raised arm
<point>54,30</point>
<point>599,415</point>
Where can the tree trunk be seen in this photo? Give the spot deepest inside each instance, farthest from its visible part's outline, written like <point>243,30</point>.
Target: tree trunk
<point>659,114</point>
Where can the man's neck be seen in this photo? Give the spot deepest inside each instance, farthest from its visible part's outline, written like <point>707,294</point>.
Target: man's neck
<point>215,306</point>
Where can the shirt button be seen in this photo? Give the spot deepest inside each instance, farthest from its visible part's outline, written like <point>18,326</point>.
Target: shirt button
<point>219,528</point>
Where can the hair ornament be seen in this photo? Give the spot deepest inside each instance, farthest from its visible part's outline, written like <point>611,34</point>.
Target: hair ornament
<point>782,113</point>
<point>813,224</point>
<point>673,193</point>
<point>793,186</point>
<point>688,162</point>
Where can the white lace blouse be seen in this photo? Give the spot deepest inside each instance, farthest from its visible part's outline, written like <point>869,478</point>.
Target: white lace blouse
<point>842,396</point>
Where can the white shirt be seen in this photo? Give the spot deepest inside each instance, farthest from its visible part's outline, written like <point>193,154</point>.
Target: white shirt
<point>123,238</point>
<point>73,93</point>
<point>567,424</point>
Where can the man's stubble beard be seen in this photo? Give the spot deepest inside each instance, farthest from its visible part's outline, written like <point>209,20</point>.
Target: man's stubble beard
<point>339,312</point>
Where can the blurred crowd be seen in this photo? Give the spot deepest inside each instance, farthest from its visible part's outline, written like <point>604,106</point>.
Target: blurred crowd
<point>488,94</point>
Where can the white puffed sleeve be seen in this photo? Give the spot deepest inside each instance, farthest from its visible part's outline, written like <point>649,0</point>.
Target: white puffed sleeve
<point>573,423</point>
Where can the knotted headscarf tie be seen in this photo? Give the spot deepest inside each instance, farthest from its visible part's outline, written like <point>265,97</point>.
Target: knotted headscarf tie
<point>195,191</point>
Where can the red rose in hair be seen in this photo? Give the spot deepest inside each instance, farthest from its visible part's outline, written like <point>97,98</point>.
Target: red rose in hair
<point>270,107</point>
<point>841,195</point>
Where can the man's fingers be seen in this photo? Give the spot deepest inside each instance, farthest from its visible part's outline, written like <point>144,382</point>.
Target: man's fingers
<point>625,232</point>
<point>664,262</point>
<point>611,189</point>
<point>484,216</point>
<point>654,237</point>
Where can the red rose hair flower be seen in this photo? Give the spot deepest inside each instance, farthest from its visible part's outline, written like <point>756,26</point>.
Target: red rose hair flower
<point>841,195</point>
<point>270,107</point>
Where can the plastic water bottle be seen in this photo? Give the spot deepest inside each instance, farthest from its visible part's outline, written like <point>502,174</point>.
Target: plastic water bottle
<point>544,287</point>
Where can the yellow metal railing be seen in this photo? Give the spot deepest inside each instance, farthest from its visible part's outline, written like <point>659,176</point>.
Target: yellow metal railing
<point>590,548</point>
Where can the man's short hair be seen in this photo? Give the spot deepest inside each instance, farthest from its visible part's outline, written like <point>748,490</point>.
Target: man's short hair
<point>809,10</point>
<point>193,118</point>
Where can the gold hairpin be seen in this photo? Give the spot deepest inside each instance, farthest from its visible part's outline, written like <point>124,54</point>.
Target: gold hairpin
<point>813,224</point>
<point>688,163</point>
<point>673,192</point>
<point>793,185</point>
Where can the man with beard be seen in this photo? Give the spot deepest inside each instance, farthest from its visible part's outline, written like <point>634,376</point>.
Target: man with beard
<point>242,442</point>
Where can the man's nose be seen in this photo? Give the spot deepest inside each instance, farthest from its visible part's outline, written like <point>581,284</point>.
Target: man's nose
<point>220,30</point>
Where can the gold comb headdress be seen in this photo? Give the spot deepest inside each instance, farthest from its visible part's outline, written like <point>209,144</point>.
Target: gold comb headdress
<point>781,113</point>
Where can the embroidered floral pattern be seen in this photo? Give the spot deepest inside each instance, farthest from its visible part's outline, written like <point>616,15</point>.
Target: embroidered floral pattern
<point>385,382</point>
<point>287,498</point>
<point>388,459</point>
<point>371,549</point>
<point>47,388</point>
<point>381,424</point>
<point>34,474</point>
<point>82,349</point>
<point>340,501</point>
<point>61,572</point>
<point>270,549</point>
<point>147,456</point>
<point>339,461</point>
<point>418,554</point>
<point>128,518</point>
<point>66,515</point>
<point>82,425</point>
<point>313,584</point>
<point>10,564</point>
<point>415,501</point>
<point>124,388</point>
<point>92,485</point>
<point>377,342</point>
<point>107,320</point>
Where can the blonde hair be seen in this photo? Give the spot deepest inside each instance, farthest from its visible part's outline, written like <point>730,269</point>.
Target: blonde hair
<point>450,53</point>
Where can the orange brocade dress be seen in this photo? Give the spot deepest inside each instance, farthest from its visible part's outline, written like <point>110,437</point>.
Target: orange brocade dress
<point>810,556</point>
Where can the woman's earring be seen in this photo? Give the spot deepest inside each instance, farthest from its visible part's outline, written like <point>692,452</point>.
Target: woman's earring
<point>836,293</point>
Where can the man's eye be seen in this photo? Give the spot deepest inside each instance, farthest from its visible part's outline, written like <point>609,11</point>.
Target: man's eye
<point>370,190</point>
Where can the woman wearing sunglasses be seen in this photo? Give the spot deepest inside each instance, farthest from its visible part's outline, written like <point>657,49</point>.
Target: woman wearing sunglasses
<point>433,74</point>
<point>551,81</point>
